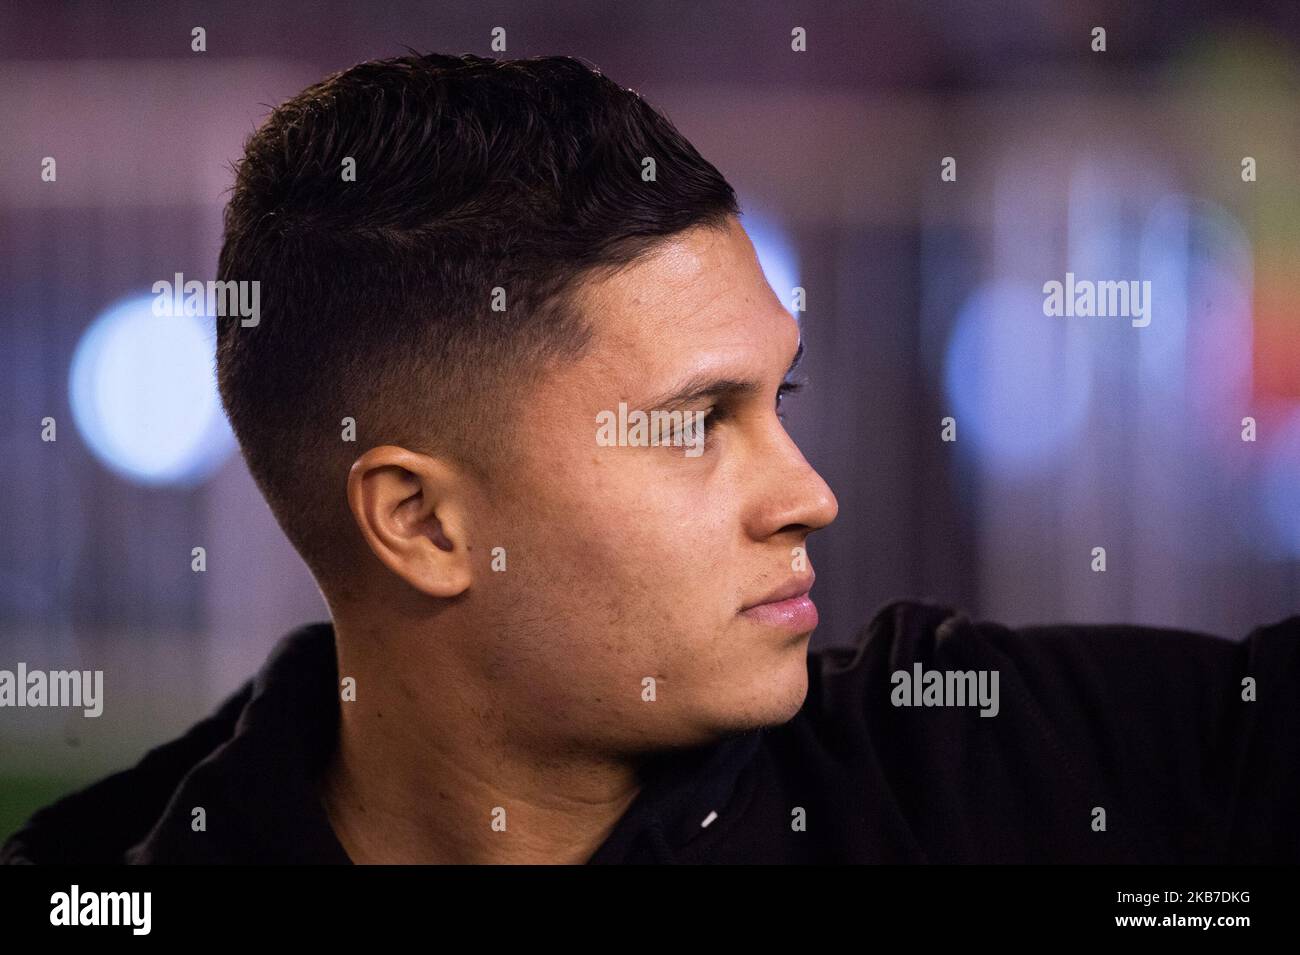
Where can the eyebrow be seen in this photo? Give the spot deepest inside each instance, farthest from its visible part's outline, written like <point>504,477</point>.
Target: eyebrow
<point>707,386</point>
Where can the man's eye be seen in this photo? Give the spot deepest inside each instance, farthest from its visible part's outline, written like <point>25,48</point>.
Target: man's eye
<point>688,434</point>
<point>719,413</point>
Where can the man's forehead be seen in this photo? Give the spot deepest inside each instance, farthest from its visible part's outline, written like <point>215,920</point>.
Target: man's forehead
<point>698,300</point>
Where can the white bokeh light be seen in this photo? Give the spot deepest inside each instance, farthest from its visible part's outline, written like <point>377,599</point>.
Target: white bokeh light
<point>144,395</point>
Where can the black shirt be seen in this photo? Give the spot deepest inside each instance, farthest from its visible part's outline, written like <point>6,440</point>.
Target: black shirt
<point>1110,743</point>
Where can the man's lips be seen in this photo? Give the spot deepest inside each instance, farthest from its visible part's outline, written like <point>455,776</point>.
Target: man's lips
<point>788,607</point>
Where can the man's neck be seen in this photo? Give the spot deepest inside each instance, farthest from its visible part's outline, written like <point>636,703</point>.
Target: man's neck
<point>417,779</point>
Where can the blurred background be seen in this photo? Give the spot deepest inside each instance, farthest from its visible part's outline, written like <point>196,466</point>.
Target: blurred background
<point>924,301</point>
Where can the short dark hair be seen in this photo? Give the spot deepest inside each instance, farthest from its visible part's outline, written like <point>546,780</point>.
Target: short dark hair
<point>376,294</point>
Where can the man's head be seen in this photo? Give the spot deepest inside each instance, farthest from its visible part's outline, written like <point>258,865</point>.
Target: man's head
<point>501,271</point>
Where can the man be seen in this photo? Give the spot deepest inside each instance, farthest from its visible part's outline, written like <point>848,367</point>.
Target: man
<point>561,635</point>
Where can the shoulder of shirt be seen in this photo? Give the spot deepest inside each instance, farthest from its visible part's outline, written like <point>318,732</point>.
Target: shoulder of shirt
<point>110,819</point>
<point>920,628</point>
<point>1125,660</point>
<point>899,632</point>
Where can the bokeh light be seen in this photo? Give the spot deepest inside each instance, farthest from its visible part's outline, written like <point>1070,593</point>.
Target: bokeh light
<point>1017,388</point>
<point>144,395</point>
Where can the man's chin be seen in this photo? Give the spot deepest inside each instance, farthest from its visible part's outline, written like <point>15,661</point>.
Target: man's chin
<point>773,701</point>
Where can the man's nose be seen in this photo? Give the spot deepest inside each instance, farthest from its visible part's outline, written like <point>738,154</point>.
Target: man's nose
<point>794,495</point>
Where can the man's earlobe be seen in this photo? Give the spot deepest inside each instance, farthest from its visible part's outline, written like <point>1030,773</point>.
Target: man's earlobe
<point>413,512</point>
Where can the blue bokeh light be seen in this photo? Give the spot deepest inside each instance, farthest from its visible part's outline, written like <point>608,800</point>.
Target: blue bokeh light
<point>1281,489</point>
<point>144,395</point>
<point>1019,391</point>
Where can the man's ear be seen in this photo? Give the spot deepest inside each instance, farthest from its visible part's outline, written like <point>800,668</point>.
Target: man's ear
<point>412,510</point>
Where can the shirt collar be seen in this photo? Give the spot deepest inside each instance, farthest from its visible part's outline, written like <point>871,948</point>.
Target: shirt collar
<point>260,800</point>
